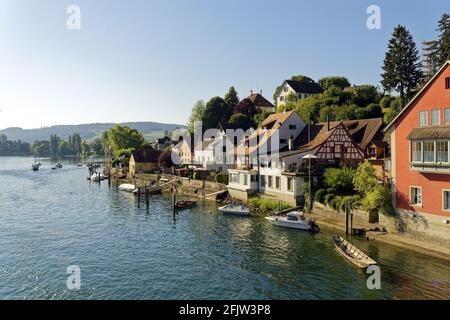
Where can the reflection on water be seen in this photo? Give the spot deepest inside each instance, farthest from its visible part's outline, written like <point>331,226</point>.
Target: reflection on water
<point>52,219</point>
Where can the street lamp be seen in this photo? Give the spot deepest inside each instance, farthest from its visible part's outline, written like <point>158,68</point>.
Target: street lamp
<point>310,156</point>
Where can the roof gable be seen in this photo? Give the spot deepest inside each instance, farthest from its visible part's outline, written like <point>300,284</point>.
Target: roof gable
<point>304,87</point>
<point>419,94</point>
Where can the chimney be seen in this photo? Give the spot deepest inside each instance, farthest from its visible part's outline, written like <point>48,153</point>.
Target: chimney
<point>251,92</point>
<point>260,92</point>
<point>291,142</point>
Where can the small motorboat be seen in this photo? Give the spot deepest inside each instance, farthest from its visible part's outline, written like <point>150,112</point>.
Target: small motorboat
<point>79,164</point>
<point>352,253</point>
<point>58,165</point>
<point>295,220</point>
<point>184,204</point>
<point>235,209</point>
<point>127,187</point>
<point>35,167</point>
<point>96,177</point>
<point>54,168</point>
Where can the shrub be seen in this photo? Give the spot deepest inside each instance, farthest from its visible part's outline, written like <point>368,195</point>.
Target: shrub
<point>379,199</point>
<point>340,179</point>
<point>331,190</point>
<point>320,195</point>
<point>365,179</point>
<point>350,201</point>
<point>222,178</point>
<point>328,198</point>
<point>332,203</point>
<point>268,205</point>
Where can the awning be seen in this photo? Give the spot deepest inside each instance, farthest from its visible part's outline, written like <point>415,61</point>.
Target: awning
<point>429,133</point>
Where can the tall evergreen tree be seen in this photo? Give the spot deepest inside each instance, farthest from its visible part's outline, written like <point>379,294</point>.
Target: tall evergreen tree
<point>444,39</point>
<point>430,58</point>
<point>54,145</point>
<point>196,115</point>
<point>402,68</point>
<point>231,98</point>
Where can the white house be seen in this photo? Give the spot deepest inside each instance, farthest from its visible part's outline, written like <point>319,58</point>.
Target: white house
<point>260,169</point>
<point>300,89</point>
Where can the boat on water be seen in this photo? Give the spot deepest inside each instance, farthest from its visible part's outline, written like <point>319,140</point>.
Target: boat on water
<point>294,220</point>
<point>352,253</point>
<point>58,165</point>
<point>98,177</point>
<point>184,204</point>
<point>79,164</point>
<point>235,209</point>
<point>127,187</point>
<point>34,167</point>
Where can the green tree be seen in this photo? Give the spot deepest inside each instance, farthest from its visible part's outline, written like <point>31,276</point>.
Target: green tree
<point>380,198</point>
<point>365,178</point>
<point>96,147</point>
<point>401,69</point>
<point>340,179</point>
<point>196,115</point>
<point>364,95</point>
<point>123,138</point>
<point>328,82</point>
<point>443,51</point>
<point>231,98</point>
<point>64,148</point>
<point>54,145</point>
<point>238,118</point>
<point>217,110</point>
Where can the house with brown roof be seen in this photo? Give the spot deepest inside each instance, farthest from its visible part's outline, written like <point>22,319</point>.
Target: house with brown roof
<point>253,103</point>
<point>258,166</point>
<point>143,161</point>
<point>280,173</point>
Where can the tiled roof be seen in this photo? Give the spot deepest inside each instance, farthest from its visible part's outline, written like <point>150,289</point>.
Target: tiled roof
<point>304,86</point>
<point>146,155</point>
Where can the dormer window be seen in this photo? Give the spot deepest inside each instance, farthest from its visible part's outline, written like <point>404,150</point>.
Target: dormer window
<point>292,127</point>
<point>423,118</point>
<point>435,117</point>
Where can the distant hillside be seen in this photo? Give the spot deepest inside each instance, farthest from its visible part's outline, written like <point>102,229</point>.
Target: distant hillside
<point>87,131</point>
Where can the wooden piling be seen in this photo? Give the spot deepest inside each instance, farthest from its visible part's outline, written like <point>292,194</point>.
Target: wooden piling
<point>351,223</point>
<point>346,220</point>
<point>139,196</point>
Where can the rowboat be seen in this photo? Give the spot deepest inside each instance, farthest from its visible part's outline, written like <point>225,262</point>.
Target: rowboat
<point>235,209</point>
<point>352,253</point>
<point>185,204</point>
<point>294,220</point>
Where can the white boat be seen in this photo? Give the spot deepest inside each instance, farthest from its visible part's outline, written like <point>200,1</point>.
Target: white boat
<point>128,187</point>
<point>96,177</point>
<point>236,209</point>
<point>295,220</point>
<point>58,165</point>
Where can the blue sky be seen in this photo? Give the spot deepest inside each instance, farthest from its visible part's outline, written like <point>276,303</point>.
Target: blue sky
<point>150,60</point>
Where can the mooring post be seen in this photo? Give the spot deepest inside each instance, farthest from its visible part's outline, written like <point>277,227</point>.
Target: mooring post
<point>109,180</point>
<point>174,201</point>
<point>139,196</point>
<point>351,223</point>
<point>99,180</point>
<point>346,221</point>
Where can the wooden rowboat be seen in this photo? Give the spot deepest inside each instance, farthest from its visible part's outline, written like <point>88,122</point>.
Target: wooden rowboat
<point>352,253</point>
<point>184,204</point>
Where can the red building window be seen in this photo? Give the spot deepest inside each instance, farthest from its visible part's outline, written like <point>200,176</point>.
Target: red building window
<point>447,83</point>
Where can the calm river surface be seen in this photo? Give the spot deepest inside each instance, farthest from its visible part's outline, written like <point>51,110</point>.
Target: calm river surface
<point>50,220</point>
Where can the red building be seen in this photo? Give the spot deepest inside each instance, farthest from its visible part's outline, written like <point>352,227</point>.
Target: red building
<point>419,138</point>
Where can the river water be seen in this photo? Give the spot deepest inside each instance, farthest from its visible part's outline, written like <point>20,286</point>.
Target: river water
<point>50,220</point>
